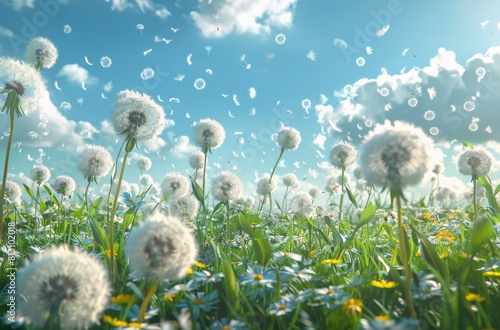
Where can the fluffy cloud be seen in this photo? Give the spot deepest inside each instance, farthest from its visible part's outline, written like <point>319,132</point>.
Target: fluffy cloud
<point>76,74</point>
<point>143,5</point>
<point>244,16</point>
<point>463,100</point>
<point>20,4</point>
<point>182,147</point>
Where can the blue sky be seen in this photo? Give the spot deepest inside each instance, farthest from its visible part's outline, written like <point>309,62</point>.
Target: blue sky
<point>415,49</point>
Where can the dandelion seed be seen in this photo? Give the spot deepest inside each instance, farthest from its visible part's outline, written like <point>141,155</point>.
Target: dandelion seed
<point>311,55</point>
<point>413,102</point>
<point>348,89</point>
<point>306,104</point>
<point>208,48</point>
<point>147,74</point>
<point>252,92</point>
<point>106,62</point>
<point>368,123</point>
<point>280,39</point>
<point>429,115</point>
<point>67,29</point>
<point>65,106</point>
<point>434,131</point>
<point>199,84</point>
<point>383,91</point>
<point>140,27</point>
<point>360,61</point>
<point>108,87</point>
<point>469,106</point>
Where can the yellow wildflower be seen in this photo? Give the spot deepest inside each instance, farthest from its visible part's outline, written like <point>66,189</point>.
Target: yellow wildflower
<point>426,215</point>
<point>492,274</point>
<point>189,271</point>
<point>445,235</point>
<point>474,297</point>
<point>444,255</point>
<point>331,262</point>
<point>123,299</point>
<point>383,284</point>
<point>353,306</point>
<point>200,264</point>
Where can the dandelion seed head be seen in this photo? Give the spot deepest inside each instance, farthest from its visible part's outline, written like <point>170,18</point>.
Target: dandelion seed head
<point>264,186</point>
<point>209,133</point>
<point>12,191</point>
<point>429,115</point>
<point>280,39</point>
<point>200,84</point>
<point>60,280</point>
<point>106,62</point>
<point>288,138</point>
<point>226,186</point>
<point>301,202</point>
<point>146,180</point>
<point>144,163</point>
<point>175,184</point>
<point>343,155</point>
<point>147,74</point>
<point>41,52</point>
<point>469,106</point>
<point>185,207</point>
<point>161,248</point>
<point>476,162</point>
<point>434,131</point>
<point>94,161</point>
<point>412,102</point>
<point>396,156</point>
<point>64,185</point>
<point>291,181</point>
<point>136,115</point>
<point>197,159</point>
<point>40,174</point>
<point>473,127</point>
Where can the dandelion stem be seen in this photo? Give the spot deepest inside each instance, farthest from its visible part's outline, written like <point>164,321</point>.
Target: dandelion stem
<point>146,301</point>
<point>403,240</point>
<point>474,201</point>
<point>6,168</point>
<point>341,195</point>
<point>111,219</point>
<point>228,227</point>
<point>205,151</point>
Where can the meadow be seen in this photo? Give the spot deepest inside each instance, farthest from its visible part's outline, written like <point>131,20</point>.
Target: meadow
<point>195,252</point>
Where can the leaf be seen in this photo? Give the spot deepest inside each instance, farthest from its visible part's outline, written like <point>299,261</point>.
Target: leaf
<point>483,228</point>
<point>129,217</point>
<point>198,192</point>
<point>390,269</point>
<point>78,213</point>
<point>28,190</point>
<point>263,251</point>
<point>278,205</point>
<point>430,253</point>
<point>351,196</point>
<point>497,190</point>
<point>245,224</point>
<point>218,207</point>
<point>485,181</point>
<point>366,215</point>
<point>232,289</point>
<point>99,234</point>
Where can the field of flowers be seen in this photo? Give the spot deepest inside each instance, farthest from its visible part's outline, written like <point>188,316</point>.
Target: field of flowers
<point>192,252</point>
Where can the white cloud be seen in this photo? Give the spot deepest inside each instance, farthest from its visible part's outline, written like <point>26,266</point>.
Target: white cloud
<point>143,5</point>
<point>244,16</point>
<point>20,4</point>
<point>6,32</point>
<point>182,147</point>
<point>386,97</point>
<point>76,74</point>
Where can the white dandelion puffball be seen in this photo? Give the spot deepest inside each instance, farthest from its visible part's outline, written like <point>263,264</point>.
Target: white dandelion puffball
<point>24,80</point>
<point>331,185</point>
<point>137,116</point>
<point>185,207</point>
<point>301,202</point>
<point>315,192</point>
<point>200,84</point>
<point>343,155</point>
<point>106,62</point>
<point>358,173</point>
<point>147,74</point>
<point>12,191</point>
<point>288,138</point>
<point>197,159</point>
<point>161,248</point>
<point>280,39</point>
<point>71,283</point>
<point>290,180</point>
<point>438,168</point>
<point>413,102</point>
<point>144,164</point>
<point>175,185</point>
<point>134,189</point>
<point>40,174</point>
<point>146,180</point>
<point>226,186</point>
<point>41,52</point>
<point>64,185</point>
<point>475,162</point>
<point>264,186</point>
<point>209,133</point>
<point>94,161</point>
<point>429,115</point>
<point>396,156</point>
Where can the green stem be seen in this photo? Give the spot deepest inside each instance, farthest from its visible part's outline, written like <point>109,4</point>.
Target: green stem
<point>341,195</point>
<point>275,165</point>
<point>6,168</point>
<point>405,260</point>
<point>283,203</point>
<point>228,227</point>
<point>205,151</point>
<point>474,201</point>
<point>147,300</point>
<point>111,219</point>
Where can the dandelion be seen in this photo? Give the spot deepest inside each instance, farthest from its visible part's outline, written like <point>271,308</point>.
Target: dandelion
<point>175,185</point>
<point>434,131</point>
<point>314,192</point>
<point>146,180</point>
<point>290,180</point>
<point>301,202</point>
<point>185,207</point>
<point>144,164</point>
<point>491,274</point>
<point>413,102</point>
<point>476,162</point>
<point>64,185</point>
<point>60,281</point>
<point>353,306</point>
<point>137,116</point>
<point>196,160</point>
<point>40,174</point>
<point>209,134</point>
<point>12,191</point>
<point>288,138</point>
<point>226,186</point>
<point>94,162</point>
<point>474,297</point>
<point>342,155</point>
<point>41,53</point>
